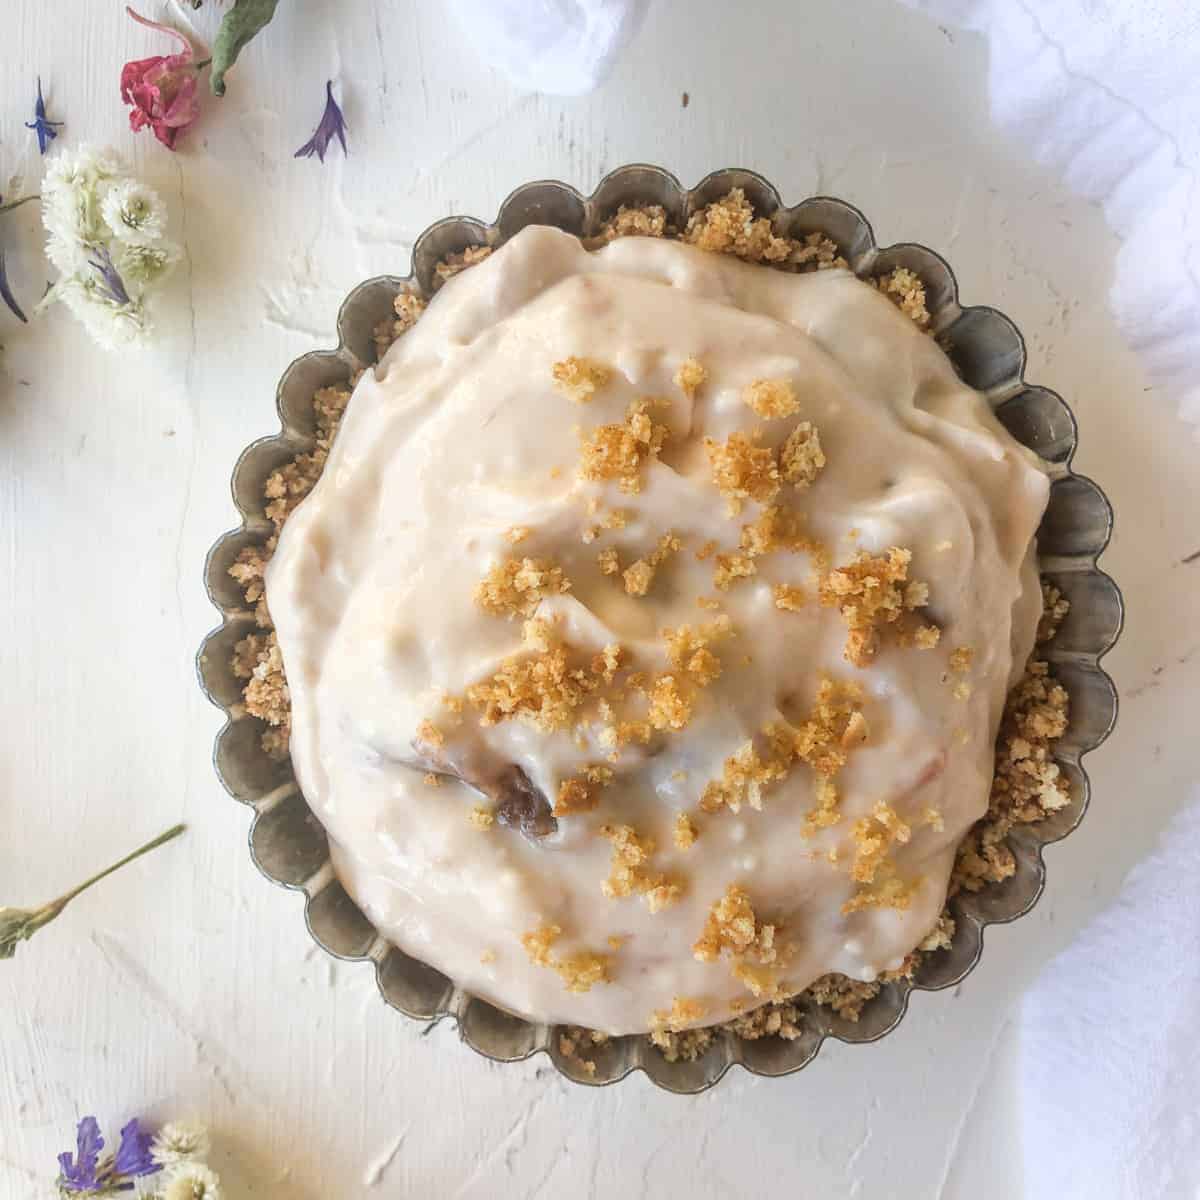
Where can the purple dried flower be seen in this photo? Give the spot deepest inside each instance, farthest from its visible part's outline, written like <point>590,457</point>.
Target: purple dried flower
<point>133,1154</point>
<point>46,130</point>
<point>114,285</point>
<point>79,1174</point>
<point>332,123</point>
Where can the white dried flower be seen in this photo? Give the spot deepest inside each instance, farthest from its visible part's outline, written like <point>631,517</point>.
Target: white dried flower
<point>180,1141</point>
<point>143,265</point>
<point>192,1181</point>
<point>133,211</point>
<point>111,325</point>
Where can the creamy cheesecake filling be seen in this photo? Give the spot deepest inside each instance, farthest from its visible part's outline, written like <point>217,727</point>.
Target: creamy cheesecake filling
<point>648,631</point>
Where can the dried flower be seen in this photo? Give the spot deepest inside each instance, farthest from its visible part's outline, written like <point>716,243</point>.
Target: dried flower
<point>180,1141</point>
<point>133,211</point>
<point>17,924</point>
<point>192,1181</point>
<point>161,90</point>
<point>133,1154</point>
<point>105,234</point>
<point>46,130</point>
<point>332,124</point>
<point>78,1173</point>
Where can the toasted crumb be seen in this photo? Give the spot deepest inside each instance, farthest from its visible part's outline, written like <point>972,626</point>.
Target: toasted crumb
<point>1055,607</point>
<point>516,587</point>
<point>688,649</point>
<point>686,1046</point>
<point>961,658</point>
<point>579,379</point>
<point>488,956</point>
<point>684,1011</point>
<point>846,997</point>
<point>907,292</point>
<point>708,603</point>
<point>482,818</point>
<point>579,972</point>
<point>542,690</point>
<point>670,704</point>
<point>874,837</point>
<point>431,735</point>
<point>729,568</point>
<point>569,1044</point>
<point>933,818</point>
<point>690,376</point>
<point>801,458</point>
<point>742,470</point>
<point>771,398</point>
<point>610,563</point>
<point>940,936</point>
<point>789,598</point>
<point>926,637</point>
<point>460,260</point>
<point>733,928</point>
<point>706,551</point>
<point>782,1019</point>
<point>962,691</point>
<point>407,309</point>
<point>618,452</point>
<point>685,832</point>
<point>517,534</point>
<point>869,591</point>
<point>640,575</point>
<point>729,226</point>
<point>249,569</point>
<point>431,780</point>
<point>615,941</point>
<point>630,872</point>
<point>645,220</point>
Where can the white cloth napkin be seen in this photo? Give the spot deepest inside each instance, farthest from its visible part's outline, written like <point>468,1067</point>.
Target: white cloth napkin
<point>561,47</point>
<point>1107,92</point>
<point>1110,1057</point>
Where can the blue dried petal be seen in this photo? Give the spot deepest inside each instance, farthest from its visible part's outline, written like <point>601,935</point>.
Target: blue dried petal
<point>133,1154</point>
<point>114,285</point>
<point>46,130</point>
<point>332,124</point>
<point>78,1174</point>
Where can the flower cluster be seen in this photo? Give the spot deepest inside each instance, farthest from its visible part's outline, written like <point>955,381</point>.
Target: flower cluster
<point>105,234</point>
<point>176,1153</point>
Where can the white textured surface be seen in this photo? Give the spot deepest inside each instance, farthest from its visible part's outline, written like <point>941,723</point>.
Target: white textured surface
<point>187,986</point>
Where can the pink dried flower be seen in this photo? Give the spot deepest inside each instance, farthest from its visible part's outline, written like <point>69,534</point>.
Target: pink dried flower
<point>161,91</point>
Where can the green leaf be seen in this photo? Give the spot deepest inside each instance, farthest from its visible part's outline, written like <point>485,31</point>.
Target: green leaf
<point>245,19</point>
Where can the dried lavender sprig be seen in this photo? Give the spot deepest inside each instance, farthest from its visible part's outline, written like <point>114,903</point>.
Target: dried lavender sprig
<point>17,924</point>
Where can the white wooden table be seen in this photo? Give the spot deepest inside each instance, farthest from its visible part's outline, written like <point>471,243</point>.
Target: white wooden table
<point>187,985</point>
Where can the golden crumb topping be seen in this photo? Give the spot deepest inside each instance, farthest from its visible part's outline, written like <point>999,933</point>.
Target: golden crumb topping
<point>684,1010</point>
<point>771,398</point>
<point>640,575</point>
<point>688,648</point>
<point>516,586</point>
<point>874,837</point>
<point>670,704</point>
<point>517,534</point>
<point>429,779</point>
<point>801,458</point>
<point>542,690</point>
<point>576,795</point>
<point>579,379</point>
<point>742,469</point>
<point>430,735</point>
<point>870,593</point>
<point>684,833</point>
<point>579,972</point>
<point>618,452</point>
<point>733,928</point>
<point>788,597</point>
<point>906,291</point>
<point>690,376</point>
<point>610,563</point>
<point>630,872</point>
<point>481,818</point>
<point>961,658</point>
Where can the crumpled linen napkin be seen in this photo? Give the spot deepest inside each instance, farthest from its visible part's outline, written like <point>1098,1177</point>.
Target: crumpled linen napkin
<point>561,47</point>
<point>1109,1051</point>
